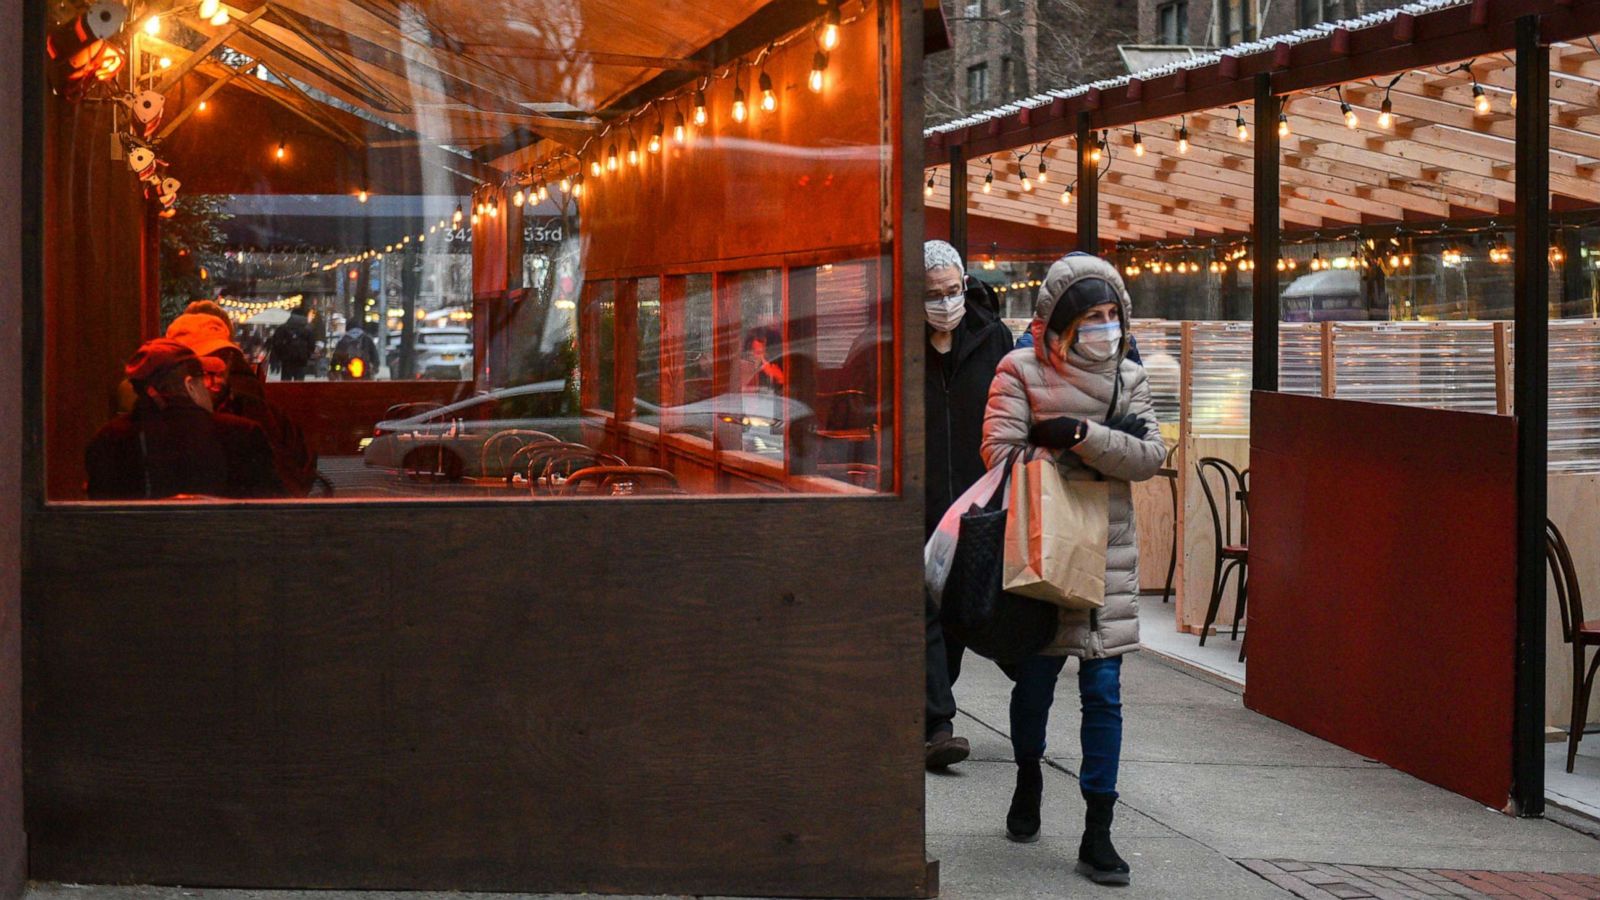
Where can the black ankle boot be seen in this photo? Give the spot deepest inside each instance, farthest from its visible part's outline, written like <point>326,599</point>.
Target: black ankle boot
<point>1022,821</point>
<point>1097,859</point>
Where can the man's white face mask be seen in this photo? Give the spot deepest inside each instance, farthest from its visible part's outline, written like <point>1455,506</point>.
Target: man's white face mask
<point>945,313</point>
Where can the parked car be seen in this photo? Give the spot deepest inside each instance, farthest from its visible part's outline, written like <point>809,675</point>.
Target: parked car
<point>449,442</point>
<point>442,353</point>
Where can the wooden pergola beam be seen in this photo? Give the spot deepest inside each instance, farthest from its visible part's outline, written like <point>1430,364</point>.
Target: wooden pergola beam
<point>218,38</point>
<point>588,57</point>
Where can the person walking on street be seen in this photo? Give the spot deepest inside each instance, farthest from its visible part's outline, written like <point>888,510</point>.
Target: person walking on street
<point>292,345</point>
<point>1075,397</point>
<point>965,344</point>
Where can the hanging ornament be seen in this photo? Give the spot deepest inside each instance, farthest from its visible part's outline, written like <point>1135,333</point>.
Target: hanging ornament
<point>147,108</point>
<point>82,52</point>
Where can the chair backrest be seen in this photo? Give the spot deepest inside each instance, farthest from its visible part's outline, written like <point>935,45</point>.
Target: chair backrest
<point>1229,518</point>
<point>624,480</point>
<point>502,446</point>
<point>1566,579</point>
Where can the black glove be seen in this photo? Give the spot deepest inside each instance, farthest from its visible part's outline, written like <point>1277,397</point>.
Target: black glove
<point>1131,424</point>
<point>1057,434</point>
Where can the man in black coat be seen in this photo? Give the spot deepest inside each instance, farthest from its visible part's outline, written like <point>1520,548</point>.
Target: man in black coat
<point>965,344</point>
<point>172,444</point>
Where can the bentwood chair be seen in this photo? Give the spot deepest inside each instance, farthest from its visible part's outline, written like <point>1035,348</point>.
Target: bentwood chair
<point>1230,525</point>
<point>622,481</point>
<point>1575,631</point>
<point>501,449</point>
<point>1169,471</point>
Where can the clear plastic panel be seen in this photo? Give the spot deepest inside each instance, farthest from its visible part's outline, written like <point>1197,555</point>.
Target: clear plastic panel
<point>1574,393</point>
<point>1161,348</point>
<point>1447,365</point>
<point>1222,355</point>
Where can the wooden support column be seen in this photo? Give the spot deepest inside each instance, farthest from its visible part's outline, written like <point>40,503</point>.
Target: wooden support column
<point>1330,360</point>
<point>1088,188</point>
<point>1264,238</point>
<point>958,202</point>
<point>1532,409</point>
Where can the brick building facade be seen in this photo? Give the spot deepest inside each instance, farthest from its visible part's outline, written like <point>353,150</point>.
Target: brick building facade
<point>1223,23</point>
<point>1009,49</point>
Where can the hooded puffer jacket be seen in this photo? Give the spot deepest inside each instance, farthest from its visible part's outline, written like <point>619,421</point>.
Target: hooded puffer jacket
<point>1031,387</point>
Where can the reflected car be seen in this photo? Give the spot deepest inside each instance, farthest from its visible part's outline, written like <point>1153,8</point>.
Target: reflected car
<point>754,421</point>
<point>449,441</point>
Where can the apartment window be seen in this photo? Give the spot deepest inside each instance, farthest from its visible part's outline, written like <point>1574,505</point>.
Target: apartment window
<point>1008,76</point>
<point>1315,12</point>
<point>1173,20</point>
<point>978,84</point>
<point>1236,24</point>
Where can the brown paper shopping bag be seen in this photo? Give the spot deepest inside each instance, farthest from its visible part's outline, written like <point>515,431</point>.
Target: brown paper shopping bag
<point>1056,537</point>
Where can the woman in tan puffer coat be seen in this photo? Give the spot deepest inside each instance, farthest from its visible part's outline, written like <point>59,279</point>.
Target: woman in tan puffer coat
<point>1075,397</point>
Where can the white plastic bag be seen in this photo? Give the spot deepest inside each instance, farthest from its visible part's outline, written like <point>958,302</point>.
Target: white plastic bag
<point>940,550</point>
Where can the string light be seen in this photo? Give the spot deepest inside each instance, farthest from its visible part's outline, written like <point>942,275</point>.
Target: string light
<point>517,199</point>
<point>1480,100</point>
<point>819,65</point>
<point>165,62</point>
<point>544,192</point>
<point>1066,195</point>
<point>220,19</point>
<point>282,151</point>
<point>202,106</point>
<point>633,151</point>
<point>1138,142</point>
<point>769,97</point>
<point>457,217</point>
<point>209,8</point>
<point>679,130</point>
<point>700,114</point>
<point>829,36</point>
<point>594,168</point>
<point>1183,136</point>
<point>362,196</point>
<point>1386,113</point>
<point>1283,125</point>
<point>1044,165</point>
<point>928,191</point>
<point>1096,151</point>
<point>152,26</point>
<point>1238,123</point>
<point>655,138</point>
<point>577,187</point>
<point>1351,120</point>
<point>740,113</point>
<point>611,159</point>
<point>566,184</point>
<point>988,180</point>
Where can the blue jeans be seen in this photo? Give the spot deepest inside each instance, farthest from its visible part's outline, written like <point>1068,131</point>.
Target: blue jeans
<point>1100,691</point>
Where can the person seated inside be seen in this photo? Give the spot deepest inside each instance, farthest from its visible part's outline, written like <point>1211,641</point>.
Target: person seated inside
<point>758,369</point>
<point>172,444</point>
<point>205,328</point>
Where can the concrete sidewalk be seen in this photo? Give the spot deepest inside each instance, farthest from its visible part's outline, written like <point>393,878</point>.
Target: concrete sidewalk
<point>1217,802</point>
<point>1205,785</point>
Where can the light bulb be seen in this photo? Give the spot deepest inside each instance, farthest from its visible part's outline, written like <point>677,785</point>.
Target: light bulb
<point>208,8</point>
<point>819,65</point>
<point>655,139</point>
<point>517,199</point>
<point>769,98</point>
<point>594,168</point>
<point>577,188</point>
<point>362,196</point>
<point>700,114</point>
<point>1044,171</point>
<point>457,217</point>
<point>1066,197</point>
<point>202,105</point>
<point>152,26</point>
<point>220,19</point>
<point>1283,125</point>
<point>928,190</point>
<point>1480,100</point>
<point>829,37</point>
<point>165,62</point>
<point>474,220</point>
<point>1386,114</point>
<point>740,113</point>
<point>611,159</point>
<point>1350,118</point>
<point>1096,154</point>
<point>988,183</point>
<point>679,130</point>
<point>281,150</point>
<point>544,192</point>
<point>1027,184</point>
<point>1138,144</point>
<point>1183,139</point>
<point>566,184</point>
<point>1244,130</point>
<point>633,152</point>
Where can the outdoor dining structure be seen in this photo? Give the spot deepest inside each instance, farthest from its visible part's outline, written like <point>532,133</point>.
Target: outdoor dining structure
<point>1363,258</point>
<point>615,516</point>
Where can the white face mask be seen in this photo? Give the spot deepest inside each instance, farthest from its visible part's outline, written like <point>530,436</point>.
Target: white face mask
<point>1098,343</point>
<point>945,313</point>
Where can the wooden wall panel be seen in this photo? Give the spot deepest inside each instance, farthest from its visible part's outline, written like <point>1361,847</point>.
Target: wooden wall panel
<point>13,850</point>
<point>1575,508</point>
<point>806,177</point>
<point>1383,584</point>
<point>95,272</point>
<point>558,696</point>
<point>1197,555</point>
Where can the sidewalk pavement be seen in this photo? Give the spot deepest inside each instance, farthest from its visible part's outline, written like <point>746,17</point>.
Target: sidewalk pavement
<point>1217,802</point>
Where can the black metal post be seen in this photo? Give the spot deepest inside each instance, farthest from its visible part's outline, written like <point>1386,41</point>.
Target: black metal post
<point>958,202</point>
<point>1532,359</point>
<point>1264,234</point>
<point>1088,192</point>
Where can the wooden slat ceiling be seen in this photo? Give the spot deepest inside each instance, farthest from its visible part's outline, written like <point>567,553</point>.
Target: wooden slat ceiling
<point>1441,159</point>
<point>465,73</point>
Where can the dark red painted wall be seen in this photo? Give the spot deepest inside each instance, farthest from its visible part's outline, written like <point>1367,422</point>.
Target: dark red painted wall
<point>12,853</point>
<point>1383,583</point>
<point>337,415</point>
